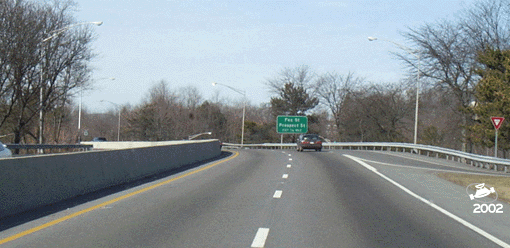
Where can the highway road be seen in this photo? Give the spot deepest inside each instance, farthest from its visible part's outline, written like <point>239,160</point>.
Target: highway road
<point>281,198</point>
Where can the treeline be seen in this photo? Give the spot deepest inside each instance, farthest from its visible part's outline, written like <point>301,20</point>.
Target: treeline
<point>465,58</point>
<point>463,66</point>
<point>174,114</point>
<point>363,112</point>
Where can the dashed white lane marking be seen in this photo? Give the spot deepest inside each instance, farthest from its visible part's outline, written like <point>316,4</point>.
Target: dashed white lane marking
<point>260,238</point>
<point>277,194</point>
<point>290,159</point>
<point>438,208</point>
<point>289,154</point>
<point>285,176</point>
<point>288,166</point>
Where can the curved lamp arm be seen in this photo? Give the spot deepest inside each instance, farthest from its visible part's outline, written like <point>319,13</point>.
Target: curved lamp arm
<point>242,92</point>
<point>61,30</point>
<point>407,49</point>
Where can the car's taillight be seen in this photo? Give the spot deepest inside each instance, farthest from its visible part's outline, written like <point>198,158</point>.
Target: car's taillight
<point>305,142</point>
<point>319,142</point>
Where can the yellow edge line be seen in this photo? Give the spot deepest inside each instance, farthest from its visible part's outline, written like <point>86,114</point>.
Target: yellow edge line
<point>67,217</point>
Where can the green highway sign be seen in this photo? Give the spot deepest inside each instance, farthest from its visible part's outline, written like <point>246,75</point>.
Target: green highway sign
<point>291,124</point>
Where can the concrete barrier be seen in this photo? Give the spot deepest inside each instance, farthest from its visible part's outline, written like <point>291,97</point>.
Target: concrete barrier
<point>30,182</point>
<point>110,145</point>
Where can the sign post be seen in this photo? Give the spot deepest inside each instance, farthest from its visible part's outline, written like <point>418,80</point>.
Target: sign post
<point>496,121</point>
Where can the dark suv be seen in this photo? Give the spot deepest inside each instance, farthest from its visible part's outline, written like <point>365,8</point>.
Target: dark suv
<point>309,141</point>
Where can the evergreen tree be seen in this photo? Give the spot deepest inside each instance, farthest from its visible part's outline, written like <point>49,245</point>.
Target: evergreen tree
<point>293,100</point>
<point>493,98</point>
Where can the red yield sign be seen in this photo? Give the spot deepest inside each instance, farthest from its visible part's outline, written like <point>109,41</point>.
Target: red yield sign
<point>496,121</point>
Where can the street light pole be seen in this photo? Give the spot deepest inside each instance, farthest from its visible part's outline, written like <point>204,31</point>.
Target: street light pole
<point>79,109</point>
<point>79,115</point>
<point>415,54</point>
<point>54,33</point>
<point>118,126</point>
<point>242,92</point>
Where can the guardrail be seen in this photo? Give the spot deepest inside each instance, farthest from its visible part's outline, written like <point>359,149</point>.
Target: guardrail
<point>486,162</point>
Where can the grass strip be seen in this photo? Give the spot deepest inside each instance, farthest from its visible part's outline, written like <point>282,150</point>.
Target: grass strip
<point>500,183</point>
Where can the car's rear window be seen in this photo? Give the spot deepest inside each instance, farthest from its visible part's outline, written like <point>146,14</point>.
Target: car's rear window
<point>311,137</point>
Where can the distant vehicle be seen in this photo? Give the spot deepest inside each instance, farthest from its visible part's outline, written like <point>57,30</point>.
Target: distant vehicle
<point>99,139</point>
<point>4,151</point>
<point>309,141</point>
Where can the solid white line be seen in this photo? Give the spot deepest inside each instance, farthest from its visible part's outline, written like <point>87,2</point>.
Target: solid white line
<point>458,219</point>
<point>472,172</point>
<point>277,194</point>
<point>288,166</point>
<point>260,238</point>
<point>424,160</point>
<point>285,176</point>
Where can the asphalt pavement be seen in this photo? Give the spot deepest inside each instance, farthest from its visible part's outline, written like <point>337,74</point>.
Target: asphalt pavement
<point>280,198</point>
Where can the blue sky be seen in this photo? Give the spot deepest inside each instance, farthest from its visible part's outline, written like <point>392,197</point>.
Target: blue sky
<point>243,43</point>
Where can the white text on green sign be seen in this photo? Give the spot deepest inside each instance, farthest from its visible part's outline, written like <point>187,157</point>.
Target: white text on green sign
<point>292,124</point>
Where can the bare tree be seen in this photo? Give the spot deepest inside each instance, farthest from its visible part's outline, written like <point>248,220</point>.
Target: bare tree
<point>190,97</point>
<point>29,65</point>
<point>447,60</point>
<point>160,116</point>
<point>210,119</point>
<point>487,24</point>
<point>376,113</point>
<point>439,122</point>
<point>22,33</point>
<point>300,76</point>
<point>332,88</point>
